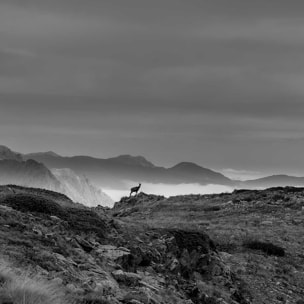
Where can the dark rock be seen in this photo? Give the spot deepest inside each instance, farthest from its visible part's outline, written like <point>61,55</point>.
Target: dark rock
<point>85,245</point>
<point>192,240</point>
<point>127,278</point>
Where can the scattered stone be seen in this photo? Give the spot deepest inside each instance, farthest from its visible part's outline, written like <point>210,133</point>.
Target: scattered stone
<point>85,245</point>
<point>57,281</point>
<point>73,289</point>
<point>138,296</point>
<point>267,223</point>
<point>55,218</point>
<point>127,278</point>
<point>120,255</point>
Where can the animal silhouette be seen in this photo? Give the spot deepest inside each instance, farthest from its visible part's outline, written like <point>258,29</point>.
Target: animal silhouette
<point>135,189</point>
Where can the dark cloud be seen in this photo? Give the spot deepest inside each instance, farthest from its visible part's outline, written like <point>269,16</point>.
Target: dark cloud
<point>217,82</point>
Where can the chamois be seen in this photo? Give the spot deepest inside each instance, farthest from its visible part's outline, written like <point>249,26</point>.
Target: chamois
<point>135,189</point>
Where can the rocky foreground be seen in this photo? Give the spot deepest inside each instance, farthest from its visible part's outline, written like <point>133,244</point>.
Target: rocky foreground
<point>244,247</point>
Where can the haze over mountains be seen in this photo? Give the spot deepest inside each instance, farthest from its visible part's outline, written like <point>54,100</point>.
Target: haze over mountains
<point>30,173</point>
<point>87,179</point>
<point>114,172</point>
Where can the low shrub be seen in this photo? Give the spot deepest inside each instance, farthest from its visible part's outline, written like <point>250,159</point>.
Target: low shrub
<point>33,203</point>
<point>267,247</point>
<point>212,208</point>
<point>278,196</point>
<point>192,240</point>
<point>78,219</point>
<point>85,220</point>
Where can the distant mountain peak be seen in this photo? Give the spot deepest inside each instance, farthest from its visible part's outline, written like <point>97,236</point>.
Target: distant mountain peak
<point>7,154</point>
<point>133,160</point>
<point>51,153</point>
<point>47,153</point>
<point>187,166</point>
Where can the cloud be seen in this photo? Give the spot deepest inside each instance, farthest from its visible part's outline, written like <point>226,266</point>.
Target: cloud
<point>268,30</point>
<point>170,190</point>
<point>211,81</point>
<point>242,174</point>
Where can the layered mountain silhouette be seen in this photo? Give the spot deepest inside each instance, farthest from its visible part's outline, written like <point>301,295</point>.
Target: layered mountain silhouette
<point>112,172</point>
<point>274,181</point>
<point>31,173</point>
<point>82,177</point>
<point>6,153</point>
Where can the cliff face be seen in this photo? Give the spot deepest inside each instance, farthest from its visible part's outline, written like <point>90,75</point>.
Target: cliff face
<point>27,173</point>
<point>80,190</point>
<point>31,173</point>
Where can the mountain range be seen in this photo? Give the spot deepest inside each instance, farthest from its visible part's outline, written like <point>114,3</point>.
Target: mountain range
<point>81,178</point>
<point>30,173</point>
<point>113,172</point>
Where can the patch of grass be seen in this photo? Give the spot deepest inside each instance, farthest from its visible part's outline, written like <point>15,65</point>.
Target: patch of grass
<point>94,299</point>
<point>24,290</point>
<point>31,292</point>
<point>267,247</point>
<point>227,246</point>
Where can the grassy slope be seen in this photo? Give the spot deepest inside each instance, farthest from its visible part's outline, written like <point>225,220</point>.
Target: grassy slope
<point>233,220</point>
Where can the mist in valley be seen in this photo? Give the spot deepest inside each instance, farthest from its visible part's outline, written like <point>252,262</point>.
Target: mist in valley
<point>168,190</point>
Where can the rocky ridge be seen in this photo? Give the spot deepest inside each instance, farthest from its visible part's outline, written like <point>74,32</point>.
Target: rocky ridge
<point>258,233</point>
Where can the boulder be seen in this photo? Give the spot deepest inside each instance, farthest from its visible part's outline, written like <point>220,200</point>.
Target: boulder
<point>139,296</point>
<point>127,278</point>
<point>85,245</point>
<point>119,255</point>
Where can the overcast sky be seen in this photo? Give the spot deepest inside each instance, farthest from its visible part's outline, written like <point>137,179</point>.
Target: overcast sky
<point>220,83</point>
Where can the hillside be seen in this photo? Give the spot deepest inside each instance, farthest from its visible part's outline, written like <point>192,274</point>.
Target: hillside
<point>244,247</point>
<point>258,234</point>
<point>6,153</point>
<point>31,173</point>
<point>80,189</point>
<point>28,173</point>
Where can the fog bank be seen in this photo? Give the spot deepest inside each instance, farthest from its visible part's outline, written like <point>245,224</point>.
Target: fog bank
<point>170,190</point>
